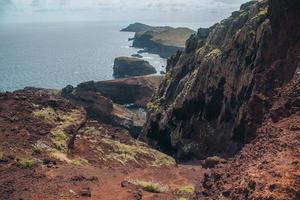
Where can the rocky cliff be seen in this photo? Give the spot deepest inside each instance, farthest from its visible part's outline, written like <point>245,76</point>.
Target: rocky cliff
<point>130,66</point>
<point>219,90</point>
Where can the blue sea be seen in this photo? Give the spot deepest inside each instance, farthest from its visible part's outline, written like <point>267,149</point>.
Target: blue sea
<point>53,55</point>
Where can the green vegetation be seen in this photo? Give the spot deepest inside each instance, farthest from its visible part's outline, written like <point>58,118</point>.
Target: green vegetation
<point>212,55</point>
<point>155,105</point>
<point>187,190</point>
<point>59,139</point>
<point>150,186</point>
<point>38,147</point>
<point>62,120</point>
<point>47,114</point>
<point>80,162</point>
<point>168,78</point>
<point>27,163</point>
<point>263,12</point>
<point>138,153</point>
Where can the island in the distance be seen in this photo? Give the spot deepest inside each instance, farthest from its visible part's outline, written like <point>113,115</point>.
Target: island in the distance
<point>164,41</point>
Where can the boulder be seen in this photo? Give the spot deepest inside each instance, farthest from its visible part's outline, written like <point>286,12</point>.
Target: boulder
<point>128,66</point>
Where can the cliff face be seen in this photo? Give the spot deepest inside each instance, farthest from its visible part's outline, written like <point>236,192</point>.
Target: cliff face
<point>129,66</point>
<point>218,91</point>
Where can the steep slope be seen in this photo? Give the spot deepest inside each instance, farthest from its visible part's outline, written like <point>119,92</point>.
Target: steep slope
<point>50,149</point>
<point>219,90</point>
<point>268,167</point>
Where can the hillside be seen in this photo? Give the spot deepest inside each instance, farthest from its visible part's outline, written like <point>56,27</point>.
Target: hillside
<point>50,149</point>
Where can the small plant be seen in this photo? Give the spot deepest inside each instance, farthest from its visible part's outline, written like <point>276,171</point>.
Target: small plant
<point>155,104</point>
<point>39,147</point>
<point>150,186</point>
<point>215,53</point>
<point>263,12</point>
<point>80,162</point>
<point>187,190</point>
<point>27,163</point>
<point>59,139</point>
<point>47,114</point>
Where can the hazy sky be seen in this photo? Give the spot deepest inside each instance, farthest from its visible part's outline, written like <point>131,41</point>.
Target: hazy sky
<point>207,11</point>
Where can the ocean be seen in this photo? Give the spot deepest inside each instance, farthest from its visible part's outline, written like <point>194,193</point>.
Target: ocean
<point>55,54</point>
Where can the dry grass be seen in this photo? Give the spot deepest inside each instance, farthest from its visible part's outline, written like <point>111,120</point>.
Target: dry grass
<point>150,186</point>
<point>187,190</point>
<point>138,153</point>
<point>62,120</point>
<point>175,37</point>
<point>27,163</point>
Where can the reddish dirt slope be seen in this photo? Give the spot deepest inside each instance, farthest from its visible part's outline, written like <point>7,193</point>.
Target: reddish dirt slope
<point>269,166</point>
<point>36,163</point>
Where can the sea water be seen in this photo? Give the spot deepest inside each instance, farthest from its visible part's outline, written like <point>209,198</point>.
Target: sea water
<point>53,55</point>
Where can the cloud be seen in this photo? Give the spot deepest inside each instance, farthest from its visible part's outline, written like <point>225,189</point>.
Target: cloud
<point>115,9</point>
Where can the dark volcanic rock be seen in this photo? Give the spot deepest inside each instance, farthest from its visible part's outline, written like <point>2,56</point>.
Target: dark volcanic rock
<point>135,90</point>
<point>126,67</point>
<point>137,55</point>
<point>86,192</point>
<point>86,95</point>
<point>217,91</point>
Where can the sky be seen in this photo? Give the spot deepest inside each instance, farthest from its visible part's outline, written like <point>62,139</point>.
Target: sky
<point>208,11</point>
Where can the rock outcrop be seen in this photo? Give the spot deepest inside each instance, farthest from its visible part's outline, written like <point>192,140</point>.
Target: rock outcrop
<point>102,108</point>
<point>102,99</point>
<point>218,91</point>
<point>135,90</point>
<point>129,66</point>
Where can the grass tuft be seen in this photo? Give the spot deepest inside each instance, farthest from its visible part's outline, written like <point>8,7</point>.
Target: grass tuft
<point>80,162</point>
<point>150,186</point>
<point>138,153</point>
<point>188,190</point>
<point>26,163</point>
<point>39,147</point>
<point>47,114</point>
